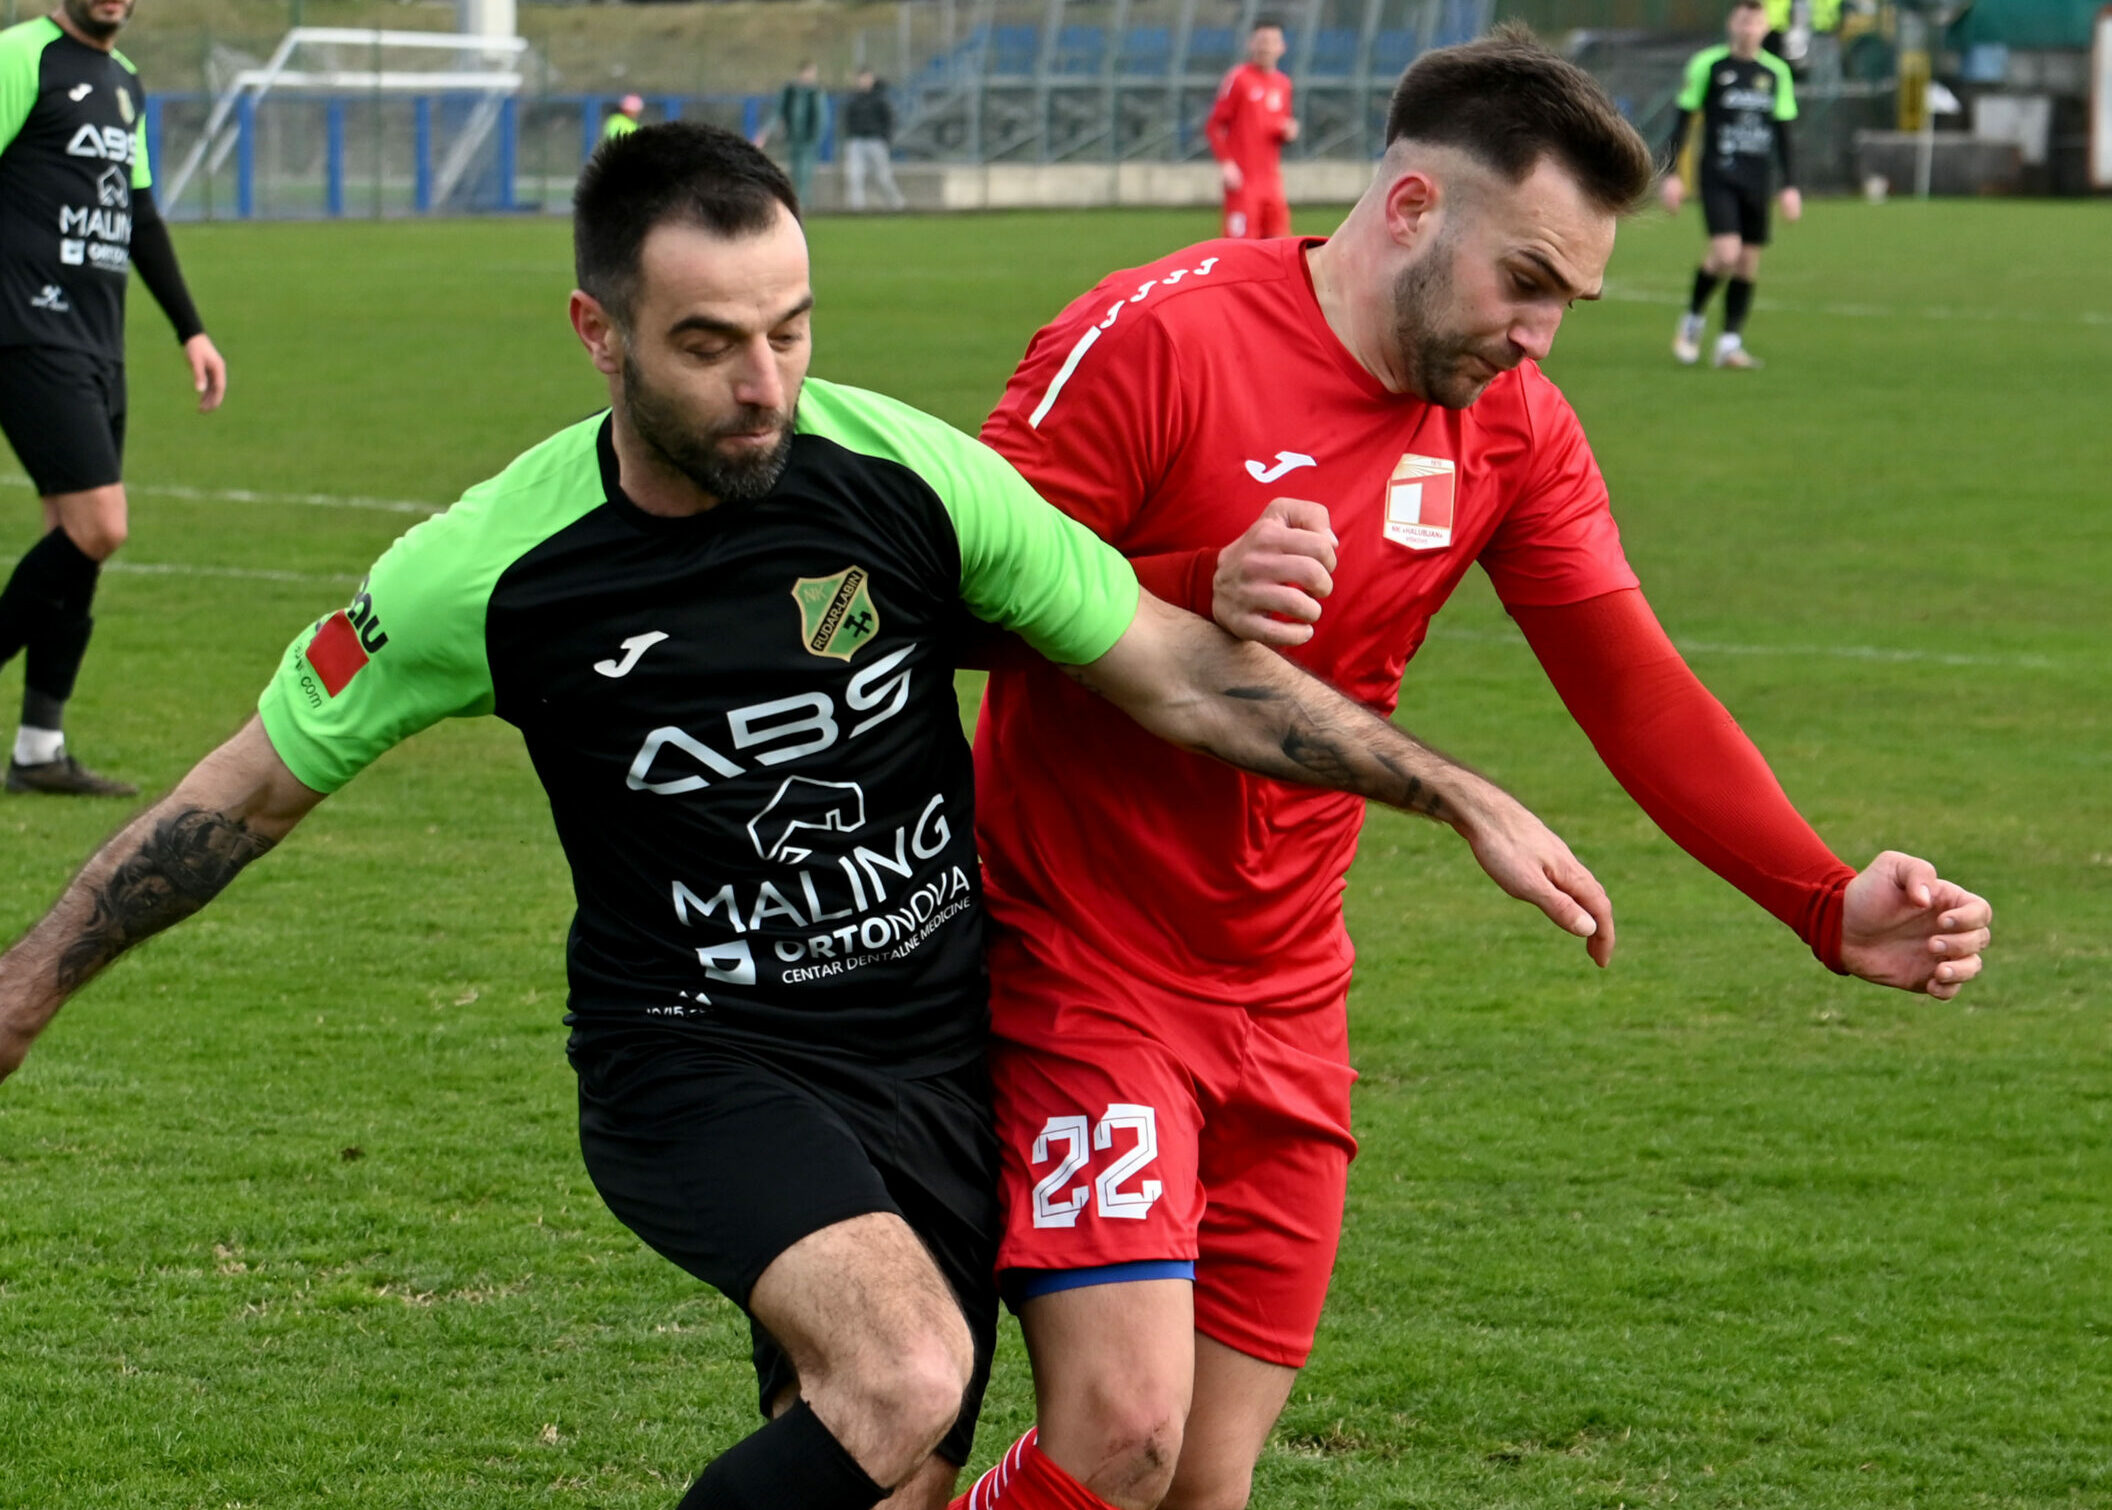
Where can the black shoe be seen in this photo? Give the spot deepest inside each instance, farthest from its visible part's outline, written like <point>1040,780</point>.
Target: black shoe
<point>65,776</point>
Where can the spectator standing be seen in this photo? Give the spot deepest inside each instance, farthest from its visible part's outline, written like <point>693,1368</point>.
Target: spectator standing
<point>623,120</point>
<point>869,142</point>
<point>803,116</point>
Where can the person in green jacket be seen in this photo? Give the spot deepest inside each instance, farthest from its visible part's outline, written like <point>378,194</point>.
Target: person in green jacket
<point>802,114</point>
<point>623,120</point>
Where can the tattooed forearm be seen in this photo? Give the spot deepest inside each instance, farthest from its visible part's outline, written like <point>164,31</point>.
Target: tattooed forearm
<point>187,860</point>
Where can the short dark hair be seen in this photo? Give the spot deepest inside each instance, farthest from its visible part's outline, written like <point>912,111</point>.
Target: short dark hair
<point>681,171</point>
<point>1508,102</point>
<point>1739,5</point>
<point>1269,23</point>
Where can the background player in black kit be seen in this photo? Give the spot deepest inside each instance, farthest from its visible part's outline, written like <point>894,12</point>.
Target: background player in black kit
<point>725,616</point>
<point>1746,104</point>
<point>76,215</point>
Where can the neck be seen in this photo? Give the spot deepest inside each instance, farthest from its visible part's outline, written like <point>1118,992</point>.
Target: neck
<point>1353,297</point>
<point>1745,54</point>
<point>65,24</point>
<point>648,480</point>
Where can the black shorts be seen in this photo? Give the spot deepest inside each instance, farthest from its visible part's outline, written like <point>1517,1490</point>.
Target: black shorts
<point>1734,207</point>
<point>64,413</point>
<point>720,1156</point>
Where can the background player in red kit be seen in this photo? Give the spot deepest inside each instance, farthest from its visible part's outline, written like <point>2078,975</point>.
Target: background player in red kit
<point>1170,964</point>
<point>1247,129</point>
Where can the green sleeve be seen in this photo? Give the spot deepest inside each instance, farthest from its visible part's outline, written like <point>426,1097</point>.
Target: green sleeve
<point>142,171</point>
<point>21,49</point>
<point>409,649</point>
<point>406,653</point>
<point>1696,88</point>
<point>1785,88</point>
<point>1025,565</point>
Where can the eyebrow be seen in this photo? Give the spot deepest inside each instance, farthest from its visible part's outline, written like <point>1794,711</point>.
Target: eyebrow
<point>730,328</point>
<point>1528,254</point>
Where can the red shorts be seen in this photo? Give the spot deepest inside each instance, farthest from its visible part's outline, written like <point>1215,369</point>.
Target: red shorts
<point>1257,213</point>
<point>1135,1125</point>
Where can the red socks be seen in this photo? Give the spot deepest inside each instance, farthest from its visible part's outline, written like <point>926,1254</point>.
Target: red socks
<point>1026,1480</point>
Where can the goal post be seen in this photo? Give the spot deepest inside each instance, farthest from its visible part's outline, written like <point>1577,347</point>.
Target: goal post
<point>2101,101</point>
<point>483,67</point>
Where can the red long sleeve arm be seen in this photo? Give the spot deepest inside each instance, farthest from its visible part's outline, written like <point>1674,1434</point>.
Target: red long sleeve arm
<point>1685,761</point>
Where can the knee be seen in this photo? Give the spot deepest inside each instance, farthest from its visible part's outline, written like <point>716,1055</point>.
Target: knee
<point>98,532</point>
<point>1134,1435</point>
<point>912,1389</point>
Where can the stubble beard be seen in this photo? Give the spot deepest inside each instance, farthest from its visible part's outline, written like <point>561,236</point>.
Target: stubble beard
<point>1436,360</point>
<point>695,453</point>
<point>82,14</point>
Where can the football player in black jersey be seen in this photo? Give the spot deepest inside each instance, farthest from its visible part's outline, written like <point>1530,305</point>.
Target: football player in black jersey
<point>1746,102</point>
<point>76,215</point>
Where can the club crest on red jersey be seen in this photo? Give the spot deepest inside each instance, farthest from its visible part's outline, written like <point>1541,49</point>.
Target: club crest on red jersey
<point>1419,502</point>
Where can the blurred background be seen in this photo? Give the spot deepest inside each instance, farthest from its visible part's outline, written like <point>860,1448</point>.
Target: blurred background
<point>312,108</point>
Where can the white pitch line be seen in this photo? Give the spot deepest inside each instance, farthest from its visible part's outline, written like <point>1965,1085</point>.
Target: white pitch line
<point>252,495</point>
<point>1812,652</point>
<point>235,573</point>
<point>1670,297</point>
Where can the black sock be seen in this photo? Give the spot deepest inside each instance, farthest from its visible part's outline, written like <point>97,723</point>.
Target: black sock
<point>794,1461</point>
<point>1704,284</point>
<point>52,664</point>
<point>1737,299</point>
<point>54,576</point>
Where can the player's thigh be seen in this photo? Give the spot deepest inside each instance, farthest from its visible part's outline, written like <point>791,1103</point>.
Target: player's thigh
<point>63,413</point>
<point>939,1161</point>
<point>1274,216</point>
<point>861,1298</point>
<point>1114,1371</point>
<point>1275,1163</point>
<point>1754,226</point>
<point>1236,1402</point>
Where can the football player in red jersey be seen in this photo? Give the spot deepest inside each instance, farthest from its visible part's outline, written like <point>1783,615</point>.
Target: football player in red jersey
<point>1247,129</point>
<point>1169,966</point>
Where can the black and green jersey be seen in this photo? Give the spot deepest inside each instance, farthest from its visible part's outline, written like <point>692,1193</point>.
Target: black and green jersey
<point>72,151</point>
<point>745,720</point>
<point>1745,106</point>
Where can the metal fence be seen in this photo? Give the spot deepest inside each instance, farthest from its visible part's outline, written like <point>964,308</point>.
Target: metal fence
<point>975,81</point>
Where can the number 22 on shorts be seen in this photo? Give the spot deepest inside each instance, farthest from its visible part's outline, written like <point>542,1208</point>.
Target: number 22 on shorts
<point>1057,1203</point>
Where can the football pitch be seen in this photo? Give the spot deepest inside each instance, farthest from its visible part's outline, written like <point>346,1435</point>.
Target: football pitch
<point>291,1206</point>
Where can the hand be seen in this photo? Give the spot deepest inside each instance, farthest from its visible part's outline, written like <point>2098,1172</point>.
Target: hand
<point>1673,191</point>
<point>1290,128</point>
<point>1270,581</point>
<point>1792,204</point>
<point>1530,862</point>
<point>1228,170</point>
<point>208,371</point>
<point>1903,925</point>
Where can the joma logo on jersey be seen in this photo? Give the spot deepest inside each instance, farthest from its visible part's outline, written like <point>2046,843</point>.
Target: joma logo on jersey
<point>110,143</point>
<point>345,642</point>
<point>836,614</point>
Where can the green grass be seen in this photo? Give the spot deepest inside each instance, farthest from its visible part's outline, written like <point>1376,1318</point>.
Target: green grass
<point>291,1210</point>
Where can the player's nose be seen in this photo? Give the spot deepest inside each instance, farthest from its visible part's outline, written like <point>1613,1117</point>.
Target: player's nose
<point>1534,334</point>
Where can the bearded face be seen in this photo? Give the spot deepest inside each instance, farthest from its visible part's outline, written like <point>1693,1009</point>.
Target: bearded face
<point>100,19</point>
<point>733,457</point>
<point>1444,360</point>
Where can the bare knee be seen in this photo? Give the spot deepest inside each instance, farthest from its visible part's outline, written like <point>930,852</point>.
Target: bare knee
<point>904,1394</point>
<point>1132,1437</point>
<point>94,521</point>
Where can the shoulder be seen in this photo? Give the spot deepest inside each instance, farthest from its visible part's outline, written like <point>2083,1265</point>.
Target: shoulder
<point>538,493</point>
<point>124,62</point>
<point>27,39</point>
<point>1192,289</point>
<point>1774,65</point>
<point>1707,58</point>
<point>1524,403</point>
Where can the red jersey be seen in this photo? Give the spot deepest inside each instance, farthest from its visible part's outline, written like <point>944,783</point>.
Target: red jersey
<point>1164,410</point>
<point>1248,121</point>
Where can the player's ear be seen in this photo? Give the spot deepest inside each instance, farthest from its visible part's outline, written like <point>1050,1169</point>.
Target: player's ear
<point>1411,201</point>
<point>597,331</point>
